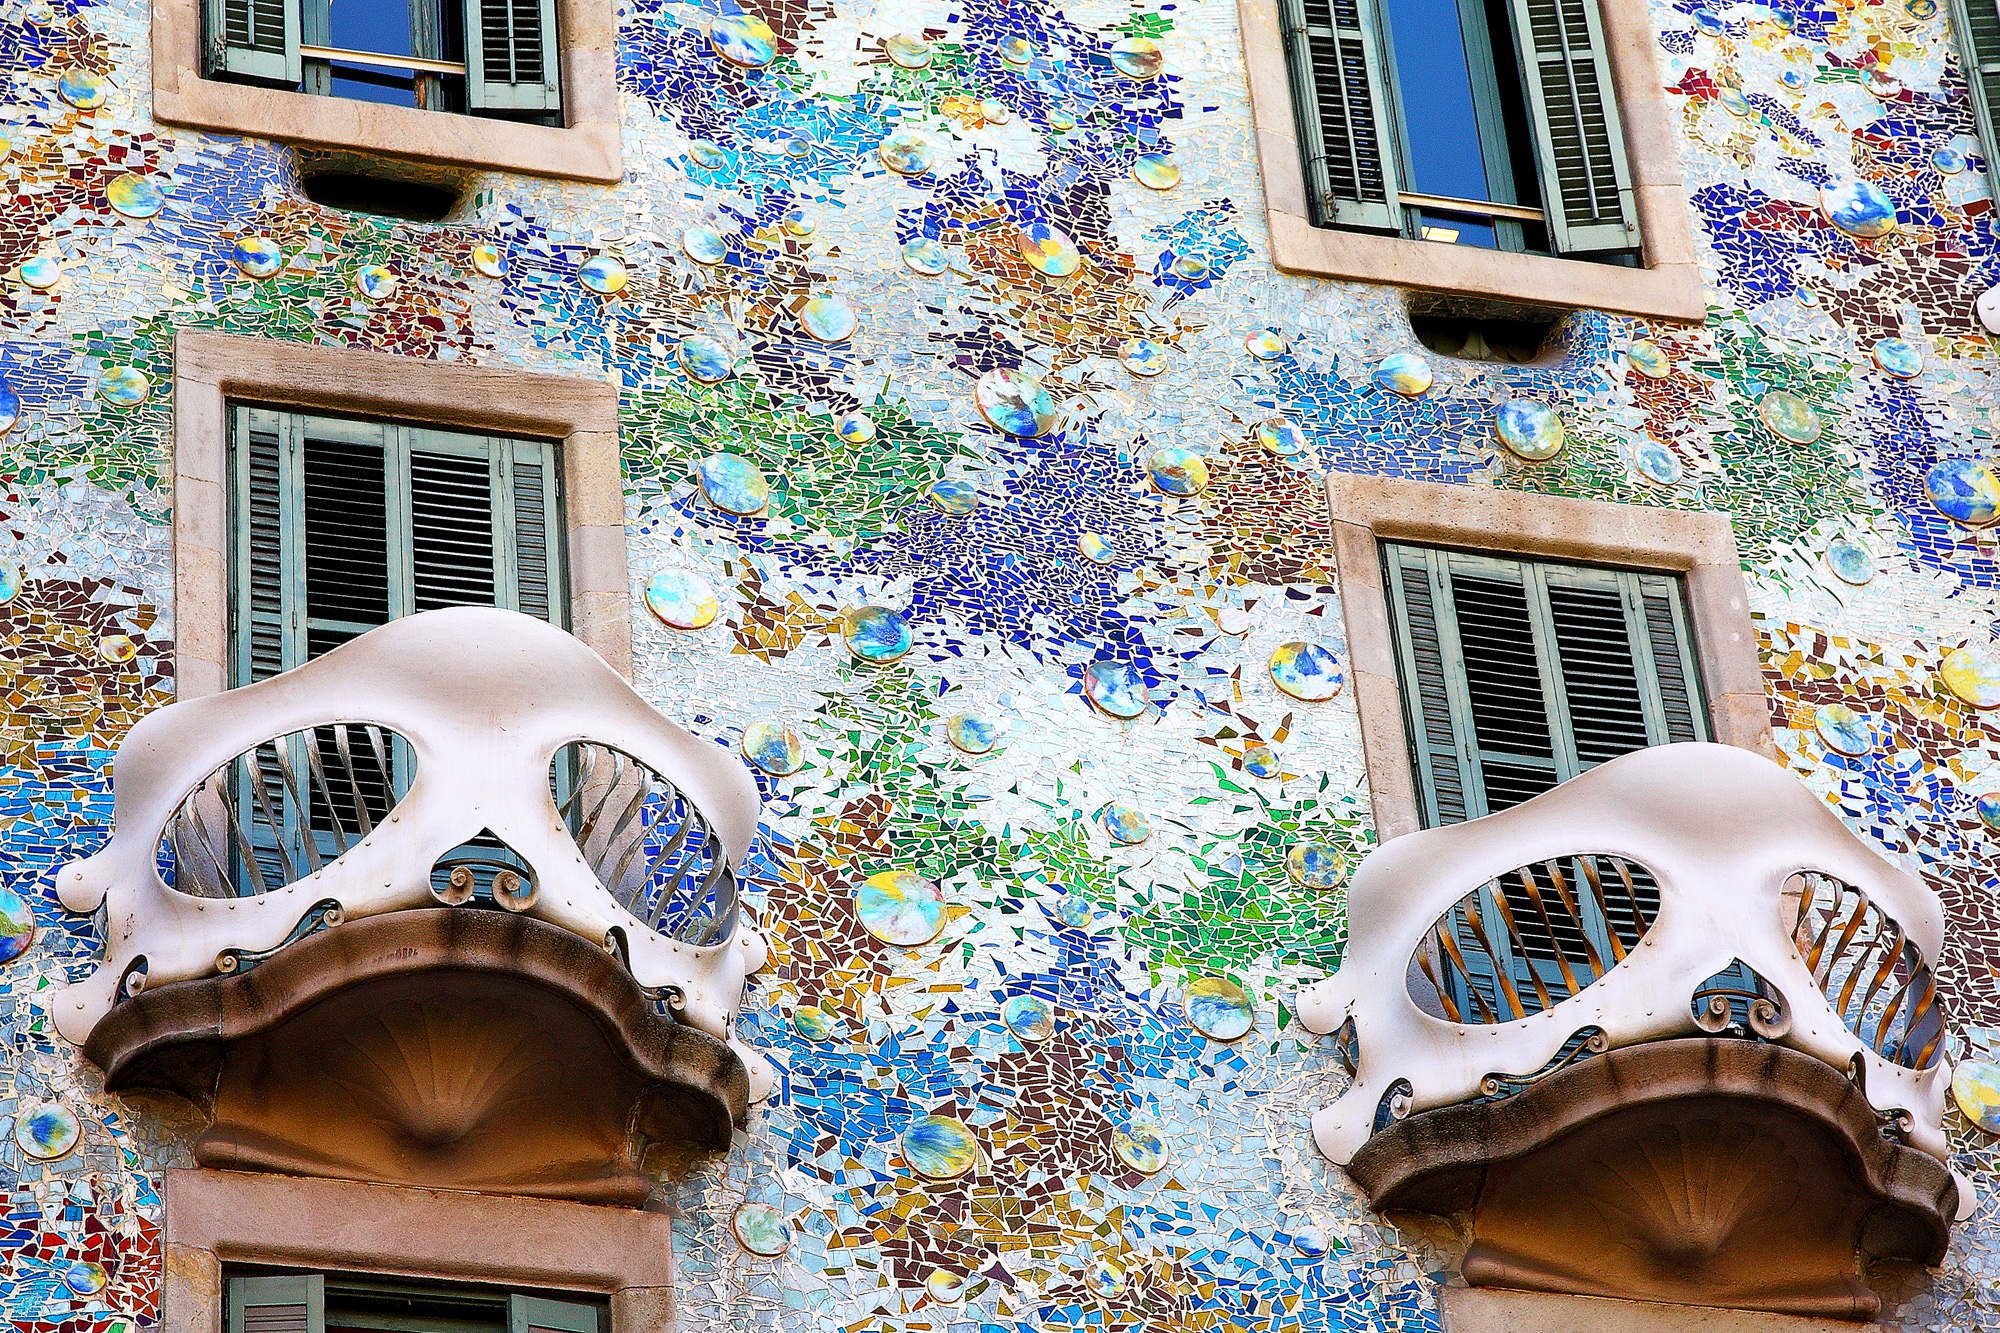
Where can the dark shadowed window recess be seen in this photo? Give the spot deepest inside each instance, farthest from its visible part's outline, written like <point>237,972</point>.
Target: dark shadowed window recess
<point>380,196</point>
<point>1487,123</point>
<point>483,57</point>
<point>1470,338</point>
<point>347,1303</point>
<point>1518,675</point>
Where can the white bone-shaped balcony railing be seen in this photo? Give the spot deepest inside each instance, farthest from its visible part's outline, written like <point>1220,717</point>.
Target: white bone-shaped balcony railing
<point>1676,891</point>
<point>456,753</point>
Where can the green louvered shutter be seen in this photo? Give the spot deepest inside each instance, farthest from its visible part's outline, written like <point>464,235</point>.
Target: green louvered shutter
<point>1586,185</point>
<point>253,40</point>
<point>1519,675</point>
<point>341,526</point>
<point>1978,24</point>
<point>537,1314</point>
<point>1335,55</point>
<point>511,56</point>
<point>345,525</point>
<point>294,1303</point>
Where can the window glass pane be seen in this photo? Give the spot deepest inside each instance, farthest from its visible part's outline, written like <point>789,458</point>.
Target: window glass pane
<point>1440,117</point>
<point>1456,229</point>
<point>380,26</point>
<point>373,86</point>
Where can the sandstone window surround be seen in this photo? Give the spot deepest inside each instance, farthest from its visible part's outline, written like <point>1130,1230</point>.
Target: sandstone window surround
<point>1668,287</point>
<point>1699,547</point>
<point>584,148</point>
<point>215,1218</point>
<point>212,370</point>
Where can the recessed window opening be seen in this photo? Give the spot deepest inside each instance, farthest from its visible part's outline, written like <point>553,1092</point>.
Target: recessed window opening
<point>380,196</point>
<point>273,1302</point>
<point>484,57</point>
<point>1484,123</point>
<point>339,526</point>
<point>1471,338</point>
<point>1517,675</point>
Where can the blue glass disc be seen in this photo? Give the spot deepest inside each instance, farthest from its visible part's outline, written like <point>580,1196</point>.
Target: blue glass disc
<point>743,39</point>
<point>1850,561</point>
<point>1858,207</point>
<point>1307,671</point>
<point>734,484</point>
<point>1116,689</point>
<point>1965,490</point>
<point>1844,730</point>
<point>876,634</point>
<point>1029,1017</point>
<point>705,360</point>
<point>1125,825</point>
<point>1218,1008</point>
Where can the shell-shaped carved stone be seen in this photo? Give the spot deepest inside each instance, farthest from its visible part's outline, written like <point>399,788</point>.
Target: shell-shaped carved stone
<point>1699,1172</point>
<point>443,1047</point>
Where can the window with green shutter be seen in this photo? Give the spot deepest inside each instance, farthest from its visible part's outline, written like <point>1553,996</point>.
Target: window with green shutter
<point>485,57</point>
<point>339,526</point>
<point>344,525</point>
<point>350,1303</point>
<point>1517,675</point>
<point>1978,25</point>
<point>1489,123</point>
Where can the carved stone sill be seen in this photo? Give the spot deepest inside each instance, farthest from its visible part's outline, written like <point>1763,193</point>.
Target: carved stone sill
<point>1710,1172</point>
<point>450,1048</point>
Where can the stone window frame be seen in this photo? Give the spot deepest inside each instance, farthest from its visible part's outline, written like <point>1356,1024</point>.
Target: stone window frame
<point>214,1218</point>
<point>585,148</point>
<point>1699,546</point>
<point>1669,287</point>
<point>212,370</point>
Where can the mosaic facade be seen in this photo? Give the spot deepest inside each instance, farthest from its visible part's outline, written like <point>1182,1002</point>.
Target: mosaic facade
<point>1062,709</point>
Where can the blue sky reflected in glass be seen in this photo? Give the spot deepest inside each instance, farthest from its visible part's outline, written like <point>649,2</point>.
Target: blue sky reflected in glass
<point>1437,99</point>
<point>378,26</point>
<point>371,92</point>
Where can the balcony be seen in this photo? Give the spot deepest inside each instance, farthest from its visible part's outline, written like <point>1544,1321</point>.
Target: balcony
<point>449,906</point>
<point>1665,1033</point>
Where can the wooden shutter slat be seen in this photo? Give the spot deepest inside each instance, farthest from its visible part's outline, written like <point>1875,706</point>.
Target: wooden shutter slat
<point>347,538</point>
<point>264,602</point>
<point>1335,58</point>
<point>451,531</point>
<point>1434,731</point>
<point>511,56</point>
<point>1683,718</point>
<point>253,41</point>
<point>293,1303</point>
<point>1586,183</point>
<point>1977,23</point>
<point>538,1314</point>
<point>1600,679</point>
<point>533,576</point>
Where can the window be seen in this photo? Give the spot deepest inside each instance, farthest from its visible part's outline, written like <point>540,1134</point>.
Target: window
<point>487,57</point>
<point>1488,123</point>
<point>343,525</point>
<point>341,1303</point>
<point>1518,675</point>
<point>1978,24</point>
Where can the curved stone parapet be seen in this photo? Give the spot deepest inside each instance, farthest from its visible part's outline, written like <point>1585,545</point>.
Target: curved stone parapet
<point>484,700</point>
<point>438,1047</point>
<point>1726,838</point>
<point>1706,1171</point>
